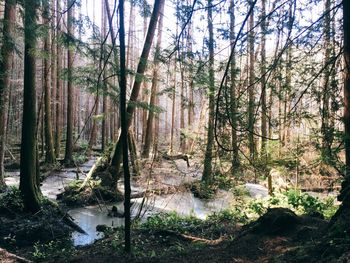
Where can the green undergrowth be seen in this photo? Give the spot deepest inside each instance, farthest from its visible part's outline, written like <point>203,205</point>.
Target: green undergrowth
<point>300,203</point>
<point>160,233</point>
<point>93,193</point>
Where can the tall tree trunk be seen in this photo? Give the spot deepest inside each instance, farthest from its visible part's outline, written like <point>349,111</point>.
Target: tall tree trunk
<point>93,133</point>
<point>345,191</point>
<point>154,89</point>
<point>117,156</point>
<point>124,129</point>
<point>53,52</point>
<point>173,107</point>
<point>5,67</point>
<point>182,96</point>
<point>68,158</point>
<point>104,84</point>
<point>233,106</point>
<point>190,112</point>
<point>251,100</point>
<point>28,168</point>
<point>325,111</point>
<point>263,84</point>
<point>59,86</point>
<point>49,148</point>
<point>207,177</point>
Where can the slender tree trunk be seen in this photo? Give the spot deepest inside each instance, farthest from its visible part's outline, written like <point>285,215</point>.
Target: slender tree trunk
<point>105,86</point>
<point>345,191</point>
<point>53,52</point>
<point>154,89</point>
<point>28,168</point>
<point>5,67</point>
<point>49,148</point>
<point>68,158</point>
<point>182,97</point>
<point>233,106</point>
<point>59,86</point>
<point>263,84</point>
<point>134,160</point>
<point>251,101</point>
<point>190,112</point>
<point>325,111</point>
<point>93,134</point>
<point>124,127</point>
<point>171,150</point>
<point>117,156</point>
<point>207,177</point>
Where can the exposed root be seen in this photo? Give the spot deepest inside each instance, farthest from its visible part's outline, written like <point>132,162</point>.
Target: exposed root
<point>185,237</point>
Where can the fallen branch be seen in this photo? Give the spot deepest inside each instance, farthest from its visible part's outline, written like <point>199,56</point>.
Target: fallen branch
<point>6,256</point>
<point>176,157</point>
<point>70,222</point>
<point>12,156</point>
<point>212,242</point>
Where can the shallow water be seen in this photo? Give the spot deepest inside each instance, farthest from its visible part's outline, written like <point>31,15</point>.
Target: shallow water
<point>184,203</point>
<point>88,218</point>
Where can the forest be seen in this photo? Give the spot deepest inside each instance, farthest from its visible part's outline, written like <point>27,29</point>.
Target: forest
<point>174,131</point>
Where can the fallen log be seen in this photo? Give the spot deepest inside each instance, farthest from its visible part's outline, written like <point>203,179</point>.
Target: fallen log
<point>7,257</point>
<point>212,242</point>
<point>176,157</point>
<point>90,173</point>
<point>68,220</point>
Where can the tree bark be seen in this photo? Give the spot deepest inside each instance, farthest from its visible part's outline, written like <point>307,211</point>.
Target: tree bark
<point>49,148</point>
<point>251,100</point>
<point>207,177</point>
<point>5,67</point>
<point>68,158</point>
<point>233,106</point>
<point>124,130</point>
<point>325,111</point>
<point>154,89</point>
<point>345,191</point>
<point>28,167</point>
<point>59,86</point>
<point>263,84</point>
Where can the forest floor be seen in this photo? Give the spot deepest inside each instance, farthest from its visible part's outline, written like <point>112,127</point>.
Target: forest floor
<point>277,236</point>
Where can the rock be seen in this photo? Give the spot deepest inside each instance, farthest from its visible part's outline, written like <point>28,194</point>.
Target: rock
<point>102,228</point>
<point>256,190</point>
<point>277,221</point>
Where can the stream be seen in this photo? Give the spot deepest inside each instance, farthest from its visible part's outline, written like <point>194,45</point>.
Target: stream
<point>89,217</point>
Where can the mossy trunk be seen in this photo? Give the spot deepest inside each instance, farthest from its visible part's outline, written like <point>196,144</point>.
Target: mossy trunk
<point>207,177</point>
<point>5,66</point>
<point>49,148</point>
<point>28,170</point>
<point>68,158</point>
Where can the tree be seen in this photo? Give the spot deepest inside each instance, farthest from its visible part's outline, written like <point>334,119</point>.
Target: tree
<point>117,155</point>
<point>154,89</point>
<point>207,171</point>
<point>68,158</point>
<point>251,86</point>
<point>5,67</point>
<point>49,148</point>
<point>124,128</point>
<point>326,84</point>
<point>28,167</point>
<point>263,83</point>
<point>345,191</point>
<point>233,106</point>
<point>59,86</point>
